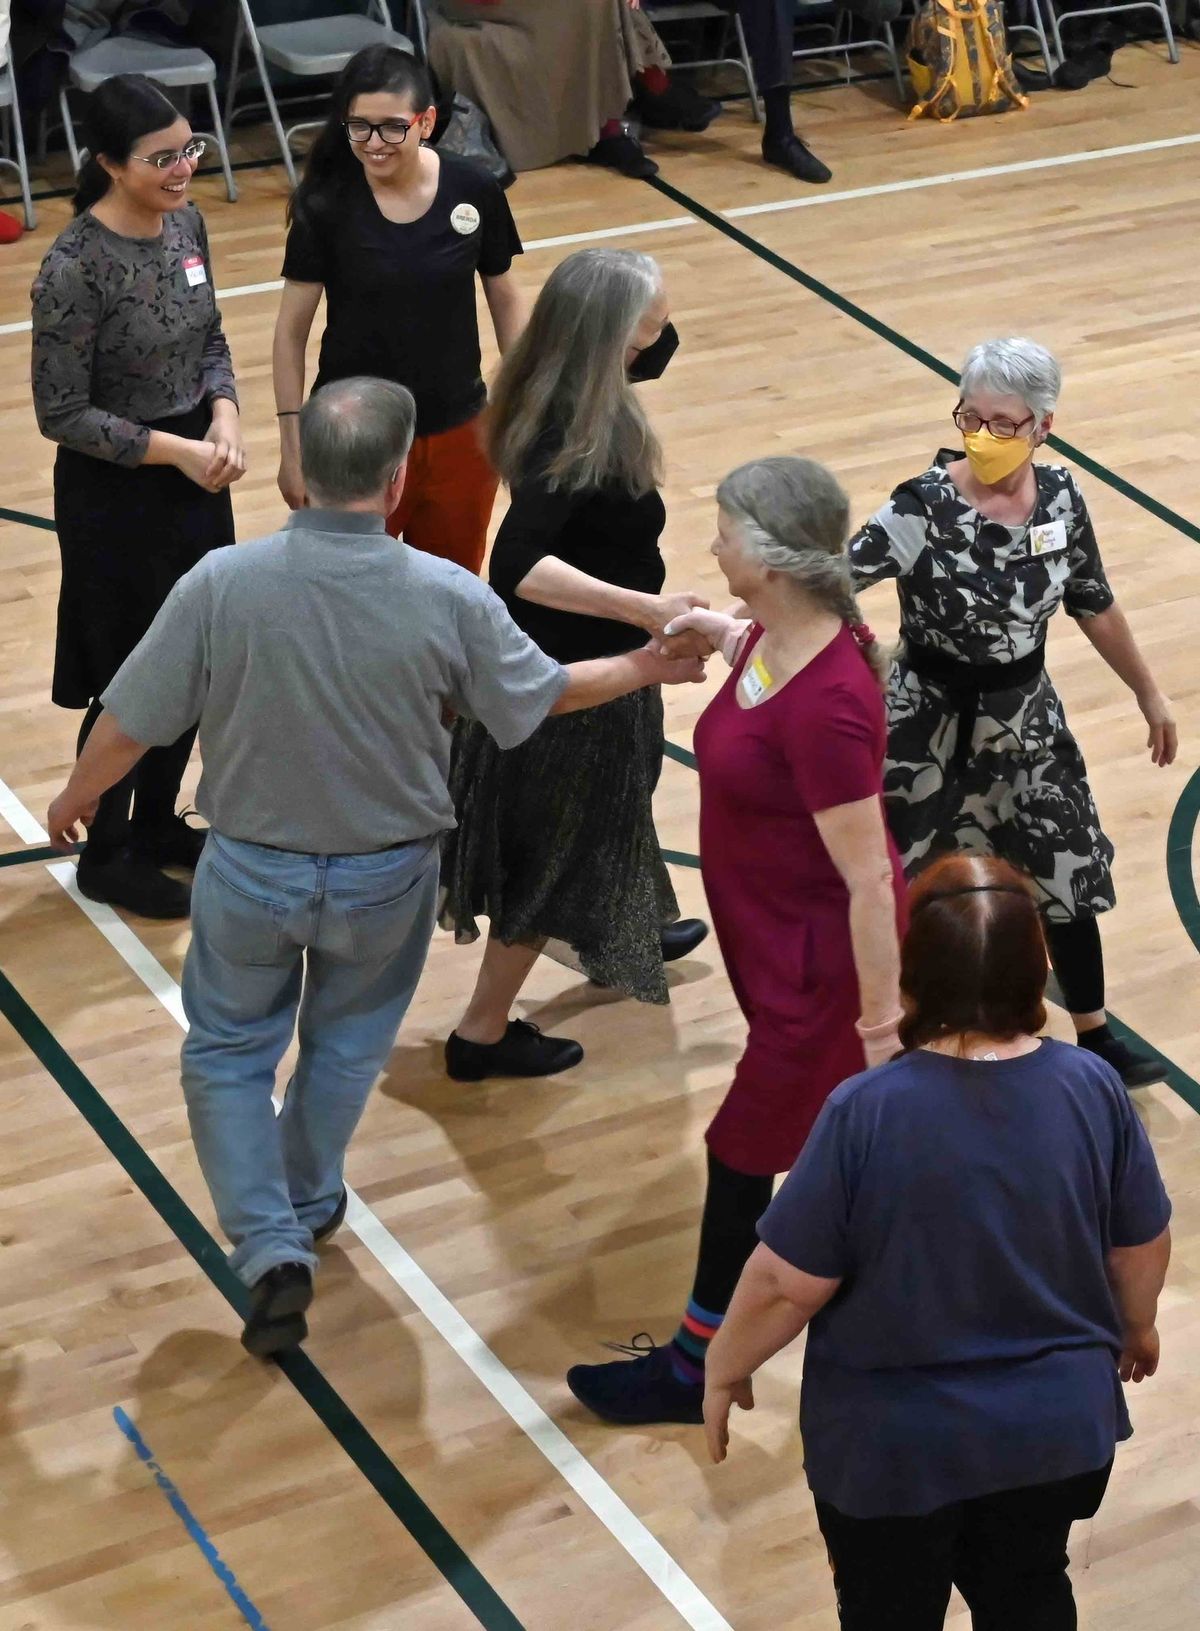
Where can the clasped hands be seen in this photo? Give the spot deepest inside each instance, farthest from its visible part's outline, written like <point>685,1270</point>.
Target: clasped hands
<point>684,626</point>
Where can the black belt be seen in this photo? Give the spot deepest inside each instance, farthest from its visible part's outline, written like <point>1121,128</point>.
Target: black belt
<point>965,684</point>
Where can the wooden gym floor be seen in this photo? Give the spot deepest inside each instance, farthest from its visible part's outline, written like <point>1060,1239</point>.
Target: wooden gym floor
<point>424,1465</point>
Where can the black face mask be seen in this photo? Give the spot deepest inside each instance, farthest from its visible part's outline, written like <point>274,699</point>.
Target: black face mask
<point>651,363</point>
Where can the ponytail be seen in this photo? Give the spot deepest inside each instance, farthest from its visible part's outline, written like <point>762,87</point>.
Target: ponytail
<point>119,112</point>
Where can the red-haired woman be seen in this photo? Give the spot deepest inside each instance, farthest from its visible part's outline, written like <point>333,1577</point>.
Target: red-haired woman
<point>976,1237</point>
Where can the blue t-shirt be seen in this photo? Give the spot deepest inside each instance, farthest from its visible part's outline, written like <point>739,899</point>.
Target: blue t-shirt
<point>968,1208</point>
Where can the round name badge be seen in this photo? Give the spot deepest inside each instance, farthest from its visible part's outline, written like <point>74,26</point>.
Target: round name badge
<point>464,218</point>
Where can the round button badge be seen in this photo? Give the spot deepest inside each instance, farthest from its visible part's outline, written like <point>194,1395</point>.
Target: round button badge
<point>464,218</point>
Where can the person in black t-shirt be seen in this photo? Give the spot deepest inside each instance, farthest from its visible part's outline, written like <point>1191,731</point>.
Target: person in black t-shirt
<point>555,840</point>
<point>395,234</point>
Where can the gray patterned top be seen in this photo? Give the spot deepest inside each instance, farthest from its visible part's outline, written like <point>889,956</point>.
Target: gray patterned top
<point>121,337</point>
<point>976,589</point>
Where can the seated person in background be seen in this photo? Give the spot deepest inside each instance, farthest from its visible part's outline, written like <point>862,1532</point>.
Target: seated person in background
<point>555,78</point>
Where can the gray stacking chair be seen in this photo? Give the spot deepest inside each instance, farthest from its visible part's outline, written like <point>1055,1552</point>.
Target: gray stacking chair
<point>175,67</point>
<point>686,11</point>
<point>320,45</point>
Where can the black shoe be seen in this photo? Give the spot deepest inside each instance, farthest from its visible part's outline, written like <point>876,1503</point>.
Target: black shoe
<point>625,154</point>
<point>523,1051</point>
<point>129,881</point>
<point>678,939</point>
<point>638,1392</point>
<point>790,154</point>
<point>334,1221</point>
<point>1134,1069</point>
<point>679,107</point>
<point>168,843</point>
<point>277,1305</point>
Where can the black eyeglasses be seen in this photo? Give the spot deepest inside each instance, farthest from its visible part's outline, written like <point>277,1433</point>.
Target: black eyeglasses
<point>393,131</point>
<point>193,152</point>
<point>969,422</point>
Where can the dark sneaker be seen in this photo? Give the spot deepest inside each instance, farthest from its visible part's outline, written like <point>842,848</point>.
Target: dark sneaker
<point>1134,1069</point>
<point>277,1305</point>
<point>523,1051</point>
<point>335,1220</point>
<point>168,843</point>
<point>790,154</point>
<point>678,939</point>
<point>133,883</point>
<point>679,107</point>
<point>638,1392</point>
<point>625,154</point>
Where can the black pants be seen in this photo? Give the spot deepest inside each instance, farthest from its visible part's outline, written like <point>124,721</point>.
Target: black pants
<point>733,1204</point>
<point>1006,1553</point>
<point>152,785</point>
<point>770,27</point>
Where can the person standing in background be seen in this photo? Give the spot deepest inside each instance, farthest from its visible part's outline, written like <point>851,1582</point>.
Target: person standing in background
<point>770,27</point>
<point>394,234</point>
<point>976,1236</point>
<point>132,378</point>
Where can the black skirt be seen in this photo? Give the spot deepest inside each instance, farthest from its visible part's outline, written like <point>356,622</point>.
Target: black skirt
<point>556,842</point>
<point>126,537</point>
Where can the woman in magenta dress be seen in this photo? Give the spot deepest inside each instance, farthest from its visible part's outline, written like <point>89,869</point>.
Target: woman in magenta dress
<point>805,886</point>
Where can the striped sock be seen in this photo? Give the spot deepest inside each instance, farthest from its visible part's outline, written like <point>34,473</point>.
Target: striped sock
<point>690,1343</point>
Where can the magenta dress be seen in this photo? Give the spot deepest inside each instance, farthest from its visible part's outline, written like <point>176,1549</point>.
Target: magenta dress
<point>779,906</point>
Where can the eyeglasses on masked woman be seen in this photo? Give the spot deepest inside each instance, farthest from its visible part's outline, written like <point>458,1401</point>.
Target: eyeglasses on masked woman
<point>1004,429</point>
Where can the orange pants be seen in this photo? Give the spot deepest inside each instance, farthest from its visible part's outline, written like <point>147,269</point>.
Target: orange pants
<point>448,496</point>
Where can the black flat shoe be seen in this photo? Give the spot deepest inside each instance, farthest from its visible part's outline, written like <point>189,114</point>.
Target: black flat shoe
<point>335,1220</point>
<point>1134,1069</point>
<point>790,154</point>
<point>131,882</point>
<point>522,1051</point>
<point>679,107</point>
<point>678,939</point>
<point>277,1305</point>
<point>625,154</point>
<point>168,843</point>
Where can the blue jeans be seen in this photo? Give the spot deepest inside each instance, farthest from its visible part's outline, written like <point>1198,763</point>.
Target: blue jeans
<point>340,941</point>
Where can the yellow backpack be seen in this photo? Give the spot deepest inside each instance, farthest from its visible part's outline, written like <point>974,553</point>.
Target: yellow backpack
<point>958,60</point>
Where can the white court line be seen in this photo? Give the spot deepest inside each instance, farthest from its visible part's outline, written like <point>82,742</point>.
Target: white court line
<point>808,201</point>
<point>624,1525</point>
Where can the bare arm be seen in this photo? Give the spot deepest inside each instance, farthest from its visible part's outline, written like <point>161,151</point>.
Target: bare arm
<point>297,310</point>
<point>606,678</point>
<point>856,839</point>
<point>1112,637</point>
<point>507,306</point>
<point>1137,1275</point>
<point>108,755</point>
<point>552,582</point>
<point>772,1304</point>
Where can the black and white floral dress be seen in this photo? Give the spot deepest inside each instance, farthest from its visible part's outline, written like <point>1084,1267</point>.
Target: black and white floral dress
<point>981,593</point>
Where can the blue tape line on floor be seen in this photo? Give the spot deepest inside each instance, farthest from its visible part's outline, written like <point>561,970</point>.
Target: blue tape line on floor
<point>183,1512</point>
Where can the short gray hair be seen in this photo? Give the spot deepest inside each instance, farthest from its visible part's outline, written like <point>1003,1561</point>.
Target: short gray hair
<point>1014,367</point>
<point>353,434</point>
<point>793,514</point>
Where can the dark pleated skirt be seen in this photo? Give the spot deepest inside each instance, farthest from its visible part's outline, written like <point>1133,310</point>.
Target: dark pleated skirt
<point>126,537</point>
<point>556,842</point>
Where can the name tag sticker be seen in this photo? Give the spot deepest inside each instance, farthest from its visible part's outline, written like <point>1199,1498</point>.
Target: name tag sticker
<point>193,270</point>
<point>464,218</point>
<point>756,680</point>
<point>1049,539</point>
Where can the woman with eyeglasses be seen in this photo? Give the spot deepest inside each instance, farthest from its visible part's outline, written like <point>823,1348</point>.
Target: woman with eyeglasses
<point>132,378</point>
<point>394,234</point>
<point>985,546</point>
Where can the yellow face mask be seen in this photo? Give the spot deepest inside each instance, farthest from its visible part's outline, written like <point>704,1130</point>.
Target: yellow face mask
<point>992,457</point>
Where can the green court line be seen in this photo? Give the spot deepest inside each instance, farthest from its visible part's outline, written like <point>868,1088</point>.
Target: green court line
<point>681,756</point>
<point>926,358</point>
<point>330,1408</point>
<point>22,857</point>
<point>27,520</point>
<point>1180,876</point>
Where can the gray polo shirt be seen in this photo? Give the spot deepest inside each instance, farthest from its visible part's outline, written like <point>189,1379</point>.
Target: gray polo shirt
<point>318,662</point>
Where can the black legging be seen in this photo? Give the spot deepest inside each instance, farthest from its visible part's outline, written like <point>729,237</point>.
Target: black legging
<point>733,1204</point>
<point>1078,959</point>
<point>152,785</point>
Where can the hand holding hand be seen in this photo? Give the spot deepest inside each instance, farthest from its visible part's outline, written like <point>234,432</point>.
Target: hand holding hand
<point>669,670</point>
<point>227,462</point>
<point>718,1402</point>
<point>196,460</point>
<point>689,643</point>
<point>662,609</point>
<point>723,633</point>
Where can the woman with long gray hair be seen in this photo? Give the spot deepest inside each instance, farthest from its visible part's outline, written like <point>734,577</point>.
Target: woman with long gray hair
<point>555,840</point>
<point>985,546</point>
<point>805,886</point>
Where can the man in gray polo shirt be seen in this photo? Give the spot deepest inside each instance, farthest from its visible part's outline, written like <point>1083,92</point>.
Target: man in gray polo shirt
<point>320,663</point>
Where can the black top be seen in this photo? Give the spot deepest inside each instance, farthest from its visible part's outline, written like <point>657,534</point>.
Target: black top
<point>603,531</point>
<point>400,298</point>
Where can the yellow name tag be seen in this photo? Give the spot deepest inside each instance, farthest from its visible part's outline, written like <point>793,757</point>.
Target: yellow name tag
<point>756,680</point>
<point>1048,539</point>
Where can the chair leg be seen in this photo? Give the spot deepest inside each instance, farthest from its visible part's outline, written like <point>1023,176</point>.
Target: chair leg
<point>1039,27</point>
<point>897,71</point>
<point>64,108</point>
<point>22,161</point>
<point>235,57</point>
<point>285,150</point>
<point>1172,48</point>
<point>1055,30</point>
<point>748,70</point>
<point>219,133</point>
